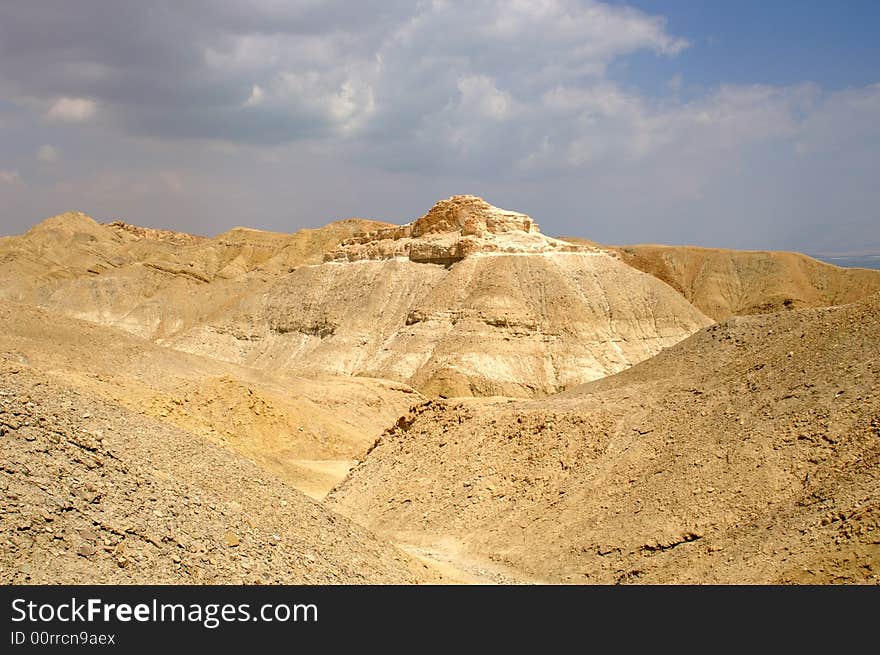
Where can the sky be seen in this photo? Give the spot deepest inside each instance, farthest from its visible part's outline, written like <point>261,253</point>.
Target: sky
<point>727,124</point>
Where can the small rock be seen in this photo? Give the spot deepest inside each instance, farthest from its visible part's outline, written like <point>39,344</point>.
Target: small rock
<point>86,550</point>
<point>232,539</point>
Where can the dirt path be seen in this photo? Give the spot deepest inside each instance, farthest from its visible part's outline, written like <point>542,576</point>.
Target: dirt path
<point>448,557</point>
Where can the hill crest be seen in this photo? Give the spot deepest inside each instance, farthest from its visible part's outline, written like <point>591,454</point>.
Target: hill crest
<point>454,228</point>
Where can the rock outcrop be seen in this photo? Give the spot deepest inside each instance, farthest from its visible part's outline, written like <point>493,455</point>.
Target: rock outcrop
<point>453,229</point>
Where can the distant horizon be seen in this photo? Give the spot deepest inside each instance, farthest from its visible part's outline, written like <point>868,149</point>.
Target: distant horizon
<point>864,258</point>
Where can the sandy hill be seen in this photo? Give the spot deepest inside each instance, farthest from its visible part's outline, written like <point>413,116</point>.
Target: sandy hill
<point>306,432</point>
<point>722,283</point>
<point>150,282</point>
<point>748,453</point>
<point>469,299</point>
<point>94,493</point>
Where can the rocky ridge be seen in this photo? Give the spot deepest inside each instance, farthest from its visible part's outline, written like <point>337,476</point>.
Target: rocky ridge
<point>152,283</point>
<point>723,283</point>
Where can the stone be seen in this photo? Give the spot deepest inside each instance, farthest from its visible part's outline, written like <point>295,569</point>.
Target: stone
<point>86,550</point>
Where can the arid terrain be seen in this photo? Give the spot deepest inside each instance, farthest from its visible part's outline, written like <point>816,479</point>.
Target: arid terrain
<point>458,399</point>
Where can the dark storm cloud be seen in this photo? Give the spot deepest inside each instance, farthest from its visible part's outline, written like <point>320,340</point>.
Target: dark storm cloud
<point>157,68</point>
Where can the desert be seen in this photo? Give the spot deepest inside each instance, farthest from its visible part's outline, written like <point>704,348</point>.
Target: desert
<point>460,399</point>
<point>445,317</point>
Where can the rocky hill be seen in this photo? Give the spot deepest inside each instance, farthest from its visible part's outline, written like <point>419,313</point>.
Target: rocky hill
<point>153,283</point>
<point>95,493</point>
<point>305,432</point>
<point>748,453</point>
<point>723,283</point>
<point>469,299</point>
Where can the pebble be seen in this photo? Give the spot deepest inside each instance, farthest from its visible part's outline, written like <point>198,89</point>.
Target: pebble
<point>86,550</point>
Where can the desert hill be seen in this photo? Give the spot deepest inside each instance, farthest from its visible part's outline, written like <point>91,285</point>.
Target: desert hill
<point>95,493</point>
<point>723,283</point>
<point>748,453</point>
<point>150,282</point>
<point>469,299</point>
<point>306,432</point>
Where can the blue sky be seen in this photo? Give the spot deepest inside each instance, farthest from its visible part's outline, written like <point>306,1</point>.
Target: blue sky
<point>731,124</point>
<point>834,44</point>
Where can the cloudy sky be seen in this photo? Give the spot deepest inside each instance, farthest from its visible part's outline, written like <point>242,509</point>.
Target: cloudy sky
<point>723,124</point>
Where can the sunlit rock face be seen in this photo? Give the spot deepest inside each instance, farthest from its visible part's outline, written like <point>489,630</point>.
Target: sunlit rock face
<point>453,229</point>
<point>467,300</point>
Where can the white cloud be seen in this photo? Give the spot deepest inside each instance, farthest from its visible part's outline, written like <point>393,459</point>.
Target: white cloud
<point>47,154</point>
<point>841,121</point>
<point>340,100</point>
<point>421,66</point>
<point>72,110</point>
<point>480,95</point>
<point>10,177</point>
<point>256,96</point>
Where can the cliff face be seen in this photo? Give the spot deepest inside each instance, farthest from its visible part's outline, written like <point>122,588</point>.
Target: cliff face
<point>469,299</point>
